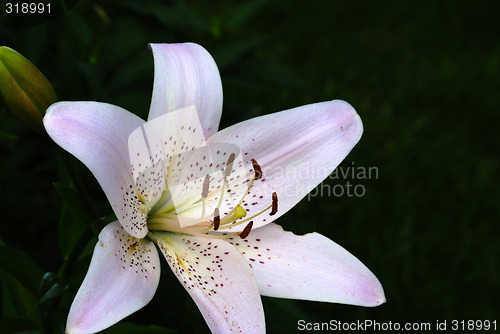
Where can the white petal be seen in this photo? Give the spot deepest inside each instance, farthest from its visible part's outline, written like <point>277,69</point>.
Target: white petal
<point>218,279</point>
<point>310,267</point>
<point>296,150</point>
<point>122,278</point>
<point>186,75</point>
<point>98,135</point>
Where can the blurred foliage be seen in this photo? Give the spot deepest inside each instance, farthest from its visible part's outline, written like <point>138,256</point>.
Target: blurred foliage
<point>423,76</point>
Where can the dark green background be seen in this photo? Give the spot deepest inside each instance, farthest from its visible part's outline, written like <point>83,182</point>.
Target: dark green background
<point>423,75</point>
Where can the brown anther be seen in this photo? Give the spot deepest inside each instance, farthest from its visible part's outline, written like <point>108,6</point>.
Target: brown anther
<point>274,206</point>
<point>246,230</point>
<point>229,164</point>
<point>257,170</point>
<point>216,219</point>
<point>206,183</point>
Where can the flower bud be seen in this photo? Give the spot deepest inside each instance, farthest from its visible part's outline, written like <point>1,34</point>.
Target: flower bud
<point>24,90</point>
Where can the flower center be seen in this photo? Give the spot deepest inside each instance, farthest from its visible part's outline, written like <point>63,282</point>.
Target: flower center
<point>208,221</point>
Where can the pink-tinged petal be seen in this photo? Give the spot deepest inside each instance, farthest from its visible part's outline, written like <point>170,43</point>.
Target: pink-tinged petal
<point>310,267</point>
<point>296,150</point>
<point>218,279</point>
<point>122,278</point>
<point>186,75</point>
<point>98,135</point>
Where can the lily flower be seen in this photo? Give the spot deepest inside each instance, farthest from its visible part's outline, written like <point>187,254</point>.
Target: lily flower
<point>207,200</point>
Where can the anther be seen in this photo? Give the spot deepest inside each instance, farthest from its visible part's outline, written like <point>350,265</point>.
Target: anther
<point>246,230</point>
<point>206,184</point>
<point>257,170</point>
<point>274,206</point>
<point>229,164</point>
<point>216,219</point>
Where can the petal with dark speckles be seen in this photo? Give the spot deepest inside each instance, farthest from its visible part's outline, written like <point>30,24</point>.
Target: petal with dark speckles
<point>218,279</point>
<point>122,278</point>
<point>97,134</point>
<point>296,149</point>
<point>310,267</point>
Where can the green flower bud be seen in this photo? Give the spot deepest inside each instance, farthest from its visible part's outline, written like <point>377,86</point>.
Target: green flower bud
<point>24,90</point>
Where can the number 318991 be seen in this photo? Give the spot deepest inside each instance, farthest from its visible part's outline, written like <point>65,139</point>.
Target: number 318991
<point>473,325</point>
<point>27,8</point>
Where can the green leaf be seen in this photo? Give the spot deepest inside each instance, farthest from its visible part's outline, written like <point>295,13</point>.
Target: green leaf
<point>127,81</point>
<point>130,328</point>
<point>14,325</point>
<point>274,73</point>
<point>4,121</point>
<point>17,300</point>
<point>50,287</point>
<point>74,201</point>
<point>81,267</point>
<point>71,227</point>
<point>21,267</point>
<point>228,54</point>
<point>242,12</point>
<point>177,16</point>
<point>4,136</point>
<point>79,248</point>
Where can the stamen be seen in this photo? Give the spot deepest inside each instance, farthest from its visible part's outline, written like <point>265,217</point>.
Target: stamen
<point>206,184</point>
<point>257,170</point>
<point>274,207</point>
<point>229,164</point>
<point>204,194</point>
<point>216,219</point>
<point>258,175</point>
<point>246,230</point>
